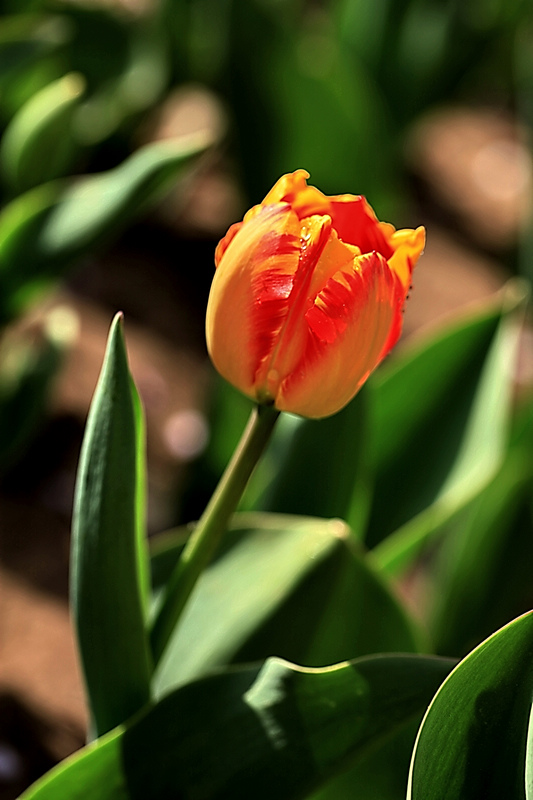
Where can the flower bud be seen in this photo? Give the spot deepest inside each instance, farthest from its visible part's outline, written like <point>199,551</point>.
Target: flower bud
<point>307,297</point>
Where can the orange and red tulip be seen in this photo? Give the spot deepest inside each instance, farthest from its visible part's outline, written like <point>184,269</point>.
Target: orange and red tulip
<point>307,297</point>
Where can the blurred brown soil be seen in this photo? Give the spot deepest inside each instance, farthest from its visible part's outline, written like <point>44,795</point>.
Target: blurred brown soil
<point>42,711</point>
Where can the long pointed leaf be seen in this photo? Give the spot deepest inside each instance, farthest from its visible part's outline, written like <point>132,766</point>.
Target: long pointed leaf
<point>108,560</point>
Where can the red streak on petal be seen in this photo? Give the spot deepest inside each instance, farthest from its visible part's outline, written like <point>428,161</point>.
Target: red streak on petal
<point>271,291</point>
<point>356,223</point>
<point>276,244</point>
<point>353,302</point>
<point>325,328</point>
<point>337,303</point>
<point>271,288</point>
<point>283,303</point>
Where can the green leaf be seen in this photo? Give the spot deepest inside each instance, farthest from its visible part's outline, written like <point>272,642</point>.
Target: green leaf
<point>382,774</point>
<point>419,403</point>
<point>133,75</point>
<point>27,369</point>
<point>38,144</point>
<point>26,37</point>
<point>481,569</point>
<point>322,464</point>
<point>47,229</point>
<point>300,78</point>
<point>274,730</point>
<point>477,452</point>
<point>109,561</point>
<point>97,205</point>
<point>93,773</point>
<point>291,586</point>
<point>477,582</point>
<point>472,742</point>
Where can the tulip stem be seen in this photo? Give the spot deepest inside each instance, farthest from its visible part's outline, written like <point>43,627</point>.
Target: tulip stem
<point>206,536</point>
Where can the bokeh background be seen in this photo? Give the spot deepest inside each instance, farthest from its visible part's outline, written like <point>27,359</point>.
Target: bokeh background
<point>424,106</point>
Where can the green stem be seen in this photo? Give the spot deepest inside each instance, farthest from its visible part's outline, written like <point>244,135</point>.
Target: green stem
<point>204,540</point>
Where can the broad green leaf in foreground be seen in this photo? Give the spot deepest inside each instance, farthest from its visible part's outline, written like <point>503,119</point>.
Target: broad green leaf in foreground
<point>273,730</point>
<point>482,445</point>
<point>109,562</point>
<point>48,228</point>
<point>380,776</point>
<point>472,742</point>
<point>289,586</point>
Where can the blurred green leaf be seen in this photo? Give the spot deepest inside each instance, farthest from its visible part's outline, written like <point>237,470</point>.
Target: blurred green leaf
<point>320,465</point>
<point>228,414</point>
<point>274,730</point>
<point>105,24</point>
<point>331,114</point>
<point>419,404</point>
<point>480,576</point>
<point>130,86</point>
<point>362,26</point>
<point>50,227</point>
<point>300,98</point>
<point>423,53</point>
<point>472,742</point>
<point>109,561</point>
<point>26,37</point>
<point>38,144</point>
<point>477,414</point>
<point>27,369</point>
<point>290,586</point>
<point>98,205</point>
<point>475,581</point>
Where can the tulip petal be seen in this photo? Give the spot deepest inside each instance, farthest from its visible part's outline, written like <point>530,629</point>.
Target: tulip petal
<point>224,243</point>
<point>350,327</point>
<point>277,351</point>
<point>353,218</point>
<point>355,222</point>
<point>293,189</point>
<point>249,294</point>
<point>408,246</point>
<point>321,257</point>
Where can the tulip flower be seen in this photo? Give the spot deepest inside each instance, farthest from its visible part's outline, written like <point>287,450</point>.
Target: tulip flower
<point>307,298</point>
